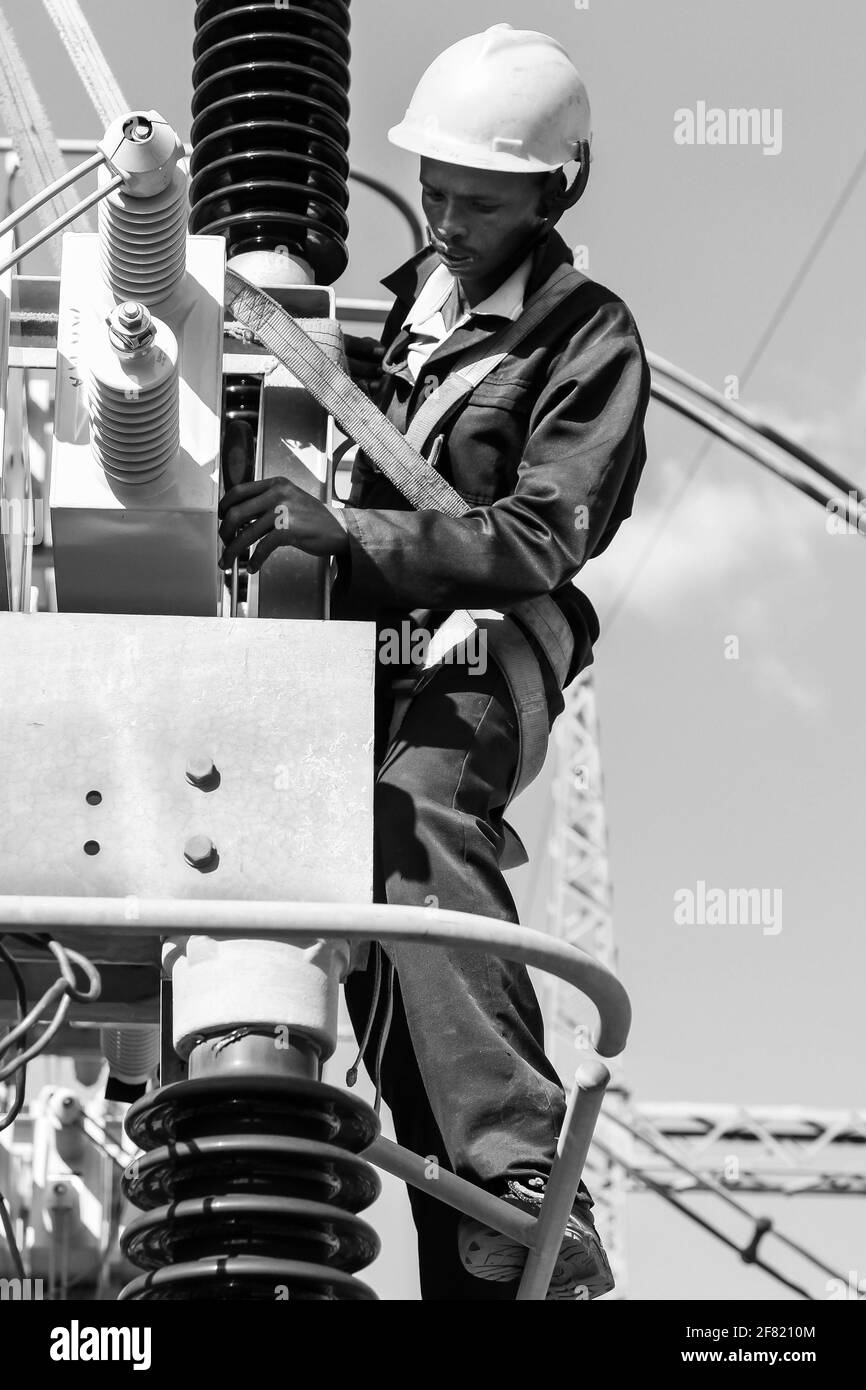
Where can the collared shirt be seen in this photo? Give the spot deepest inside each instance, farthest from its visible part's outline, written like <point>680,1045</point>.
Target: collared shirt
<point>436,313</point>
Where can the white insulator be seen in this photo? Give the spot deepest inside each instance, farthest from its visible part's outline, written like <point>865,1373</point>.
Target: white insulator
<point>142,241</point>
<point>133,400</point>
<point>132,1053</point>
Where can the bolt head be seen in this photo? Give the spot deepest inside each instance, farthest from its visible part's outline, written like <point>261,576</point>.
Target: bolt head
<point>60,1189</point>
<point>199,768</point>
<point>199,850</point>
<point>130,312</point>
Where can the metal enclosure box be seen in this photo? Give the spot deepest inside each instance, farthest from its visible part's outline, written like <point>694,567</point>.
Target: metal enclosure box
<point>100,713</point>
<point>146,548</point>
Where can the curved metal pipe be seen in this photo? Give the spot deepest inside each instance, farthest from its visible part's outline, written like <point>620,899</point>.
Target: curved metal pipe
<point>751,421</point>
<point>850,506</point>
<point>167,917</point>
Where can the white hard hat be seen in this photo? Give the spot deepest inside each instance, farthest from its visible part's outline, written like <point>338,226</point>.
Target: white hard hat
<point>508,99</point>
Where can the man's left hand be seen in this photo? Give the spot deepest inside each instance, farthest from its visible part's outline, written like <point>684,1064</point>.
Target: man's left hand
<point>274,512</point>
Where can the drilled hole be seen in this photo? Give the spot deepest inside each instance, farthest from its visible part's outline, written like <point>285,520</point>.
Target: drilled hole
<point>93,798</point>
<point>91,847</point>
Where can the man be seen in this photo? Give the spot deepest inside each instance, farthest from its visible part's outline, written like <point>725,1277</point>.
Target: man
<point>547,452</point>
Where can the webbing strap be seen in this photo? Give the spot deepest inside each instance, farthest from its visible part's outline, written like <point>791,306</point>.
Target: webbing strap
<point>87,59</point>
<point>397,455</point>
<point>353,411</point>
<point>441,404</point>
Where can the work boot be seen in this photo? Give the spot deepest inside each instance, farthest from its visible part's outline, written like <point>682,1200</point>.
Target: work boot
<point>581,1270</point>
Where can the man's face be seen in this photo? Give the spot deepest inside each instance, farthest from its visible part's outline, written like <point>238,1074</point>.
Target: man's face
<point>479,218</point>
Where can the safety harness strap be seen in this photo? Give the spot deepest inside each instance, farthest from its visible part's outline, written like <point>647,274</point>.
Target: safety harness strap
<point>437,408</point>
<point>388,449</point>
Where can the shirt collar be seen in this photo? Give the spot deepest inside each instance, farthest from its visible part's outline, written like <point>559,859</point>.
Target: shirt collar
<point>406,282</point>
<point>506,302</point>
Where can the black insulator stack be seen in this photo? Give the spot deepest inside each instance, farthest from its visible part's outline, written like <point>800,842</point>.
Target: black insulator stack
<point>250,1188</point>
<point>270,128</point>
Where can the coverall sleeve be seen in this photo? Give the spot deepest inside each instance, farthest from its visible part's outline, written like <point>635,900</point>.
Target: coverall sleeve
<point>584,434</point>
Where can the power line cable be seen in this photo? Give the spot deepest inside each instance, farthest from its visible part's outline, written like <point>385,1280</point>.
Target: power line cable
<point>758,351</point>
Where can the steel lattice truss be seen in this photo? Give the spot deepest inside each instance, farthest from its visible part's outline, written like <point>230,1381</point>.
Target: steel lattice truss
<point>666,1148</point>
<point>581,914</point>
<point>792,1150</point>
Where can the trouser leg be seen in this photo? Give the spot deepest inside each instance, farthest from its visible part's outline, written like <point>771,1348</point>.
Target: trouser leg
<point>473,1018</point>
<point>441,1272</point>
<point>464,1071</point>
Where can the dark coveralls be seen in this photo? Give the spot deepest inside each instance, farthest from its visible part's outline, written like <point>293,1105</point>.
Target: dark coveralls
<point>556,428</point>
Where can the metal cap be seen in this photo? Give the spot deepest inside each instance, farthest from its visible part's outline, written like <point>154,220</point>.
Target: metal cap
<point>144,149</point>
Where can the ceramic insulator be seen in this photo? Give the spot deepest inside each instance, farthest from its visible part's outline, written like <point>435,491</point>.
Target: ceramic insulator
<point>142,247</point>
<point>131,1053</point>
<point>133,403</point>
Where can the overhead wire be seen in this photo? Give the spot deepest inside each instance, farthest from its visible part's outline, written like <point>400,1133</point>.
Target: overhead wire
<point>638,1131</point>
<point>749,1255</point>
<point>707,422</point>
<point>766,337</point>
<point>88,59</point>
<point>27,123</point>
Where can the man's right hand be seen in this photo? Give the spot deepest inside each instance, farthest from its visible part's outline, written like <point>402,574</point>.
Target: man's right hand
<point>364,356</point>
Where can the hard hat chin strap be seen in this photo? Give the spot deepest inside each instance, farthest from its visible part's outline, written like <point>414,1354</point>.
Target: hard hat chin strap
<point>572,193</point>
<point>568,194</point>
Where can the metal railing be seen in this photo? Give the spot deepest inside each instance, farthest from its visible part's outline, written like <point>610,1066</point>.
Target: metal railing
<point>167,917</point>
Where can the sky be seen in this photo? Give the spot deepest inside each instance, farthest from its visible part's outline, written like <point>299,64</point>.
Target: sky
<point>739,773</point>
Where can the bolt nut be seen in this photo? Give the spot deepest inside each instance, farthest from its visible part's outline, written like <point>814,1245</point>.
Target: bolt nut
<point>199,851</point>
<point>130,314</point>
<point>130,326</point>
<point>60,1189</point>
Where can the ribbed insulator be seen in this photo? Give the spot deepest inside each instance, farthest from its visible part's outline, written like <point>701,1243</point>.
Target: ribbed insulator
<point>132,1053</point>
<point>142,241</point>
<point>133,402</point>
<point>249,1183</point>
<point>270,129</point>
